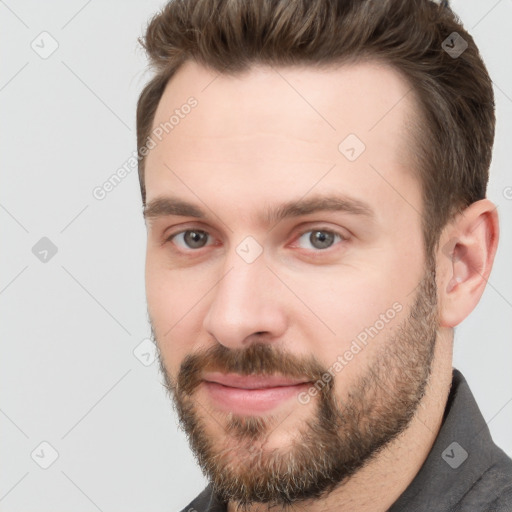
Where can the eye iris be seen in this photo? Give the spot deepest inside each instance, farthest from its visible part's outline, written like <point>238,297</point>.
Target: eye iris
<point>195,239</point>
<point>324,238</point>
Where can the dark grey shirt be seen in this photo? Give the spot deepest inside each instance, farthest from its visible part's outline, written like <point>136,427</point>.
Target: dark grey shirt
<point>464,472</point>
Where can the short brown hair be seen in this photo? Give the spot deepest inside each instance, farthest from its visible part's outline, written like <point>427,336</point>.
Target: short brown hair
<point>455,130</point>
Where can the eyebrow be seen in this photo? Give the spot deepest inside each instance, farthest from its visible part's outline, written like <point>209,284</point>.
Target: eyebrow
<point>164,206</point>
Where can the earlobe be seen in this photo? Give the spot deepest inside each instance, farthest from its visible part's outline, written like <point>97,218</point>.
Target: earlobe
<point>466,260</point>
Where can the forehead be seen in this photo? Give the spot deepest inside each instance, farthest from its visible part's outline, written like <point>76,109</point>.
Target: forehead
<point>362,97</point>
<point>273,130</point>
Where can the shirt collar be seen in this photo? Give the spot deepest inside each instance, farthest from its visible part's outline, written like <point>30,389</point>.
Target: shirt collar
<point>461,453</point>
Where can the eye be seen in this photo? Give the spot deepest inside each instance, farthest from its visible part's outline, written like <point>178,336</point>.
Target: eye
<point>319,239</point>
<point>190,239</point>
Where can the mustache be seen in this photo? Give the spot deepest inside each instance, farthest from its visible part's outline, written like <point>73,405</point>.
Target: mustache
<point>257,359</point>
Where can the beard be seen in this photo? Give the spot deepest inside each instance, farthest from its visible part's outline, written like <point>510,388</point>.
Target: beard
<point>341,433</point>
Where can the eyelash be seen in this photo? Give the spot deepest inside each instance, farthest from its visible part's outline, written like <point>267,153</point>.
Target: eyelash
<point>341,237</point>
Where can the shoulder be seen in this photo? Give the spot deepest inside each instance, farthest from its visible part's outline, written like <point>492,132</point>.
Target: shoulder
<point>205,502</point>
<point>492,492</point>
<point>502,503</point>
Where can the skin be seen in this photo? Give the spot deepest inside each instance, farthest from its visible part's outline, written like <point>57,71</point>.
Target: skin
<point>270,136</point>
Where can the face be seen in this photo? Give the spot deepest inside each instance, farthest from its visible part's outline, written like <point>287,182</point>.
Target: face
<point>289,296</point>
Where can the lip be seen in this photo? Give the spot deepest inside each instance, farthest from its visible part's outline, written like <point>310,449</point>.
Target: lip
<point>234,380</point>
<point>249,394</point>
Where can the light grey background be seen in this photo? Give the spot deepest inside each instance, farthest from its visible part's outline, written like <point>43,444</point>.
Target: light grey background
<point>69,326</point>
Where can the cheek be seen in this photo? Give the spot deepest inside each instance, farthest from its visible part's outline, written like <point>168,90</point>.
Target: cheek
<point>169,292</point>
<point>345,299</point>
<point>176,309</point>
<point>356,312</point>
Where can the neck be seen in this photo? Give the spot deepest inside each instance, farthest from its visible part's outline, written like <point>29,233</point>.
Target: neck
<point>379,484</point>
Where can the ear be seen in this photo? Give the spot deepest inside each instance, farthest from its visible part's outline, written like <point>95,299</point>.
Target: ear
<point>466,254</point>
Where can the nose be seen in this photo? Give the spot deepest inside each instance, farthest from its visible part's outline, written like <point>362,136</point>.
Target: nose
<point>247,301</point>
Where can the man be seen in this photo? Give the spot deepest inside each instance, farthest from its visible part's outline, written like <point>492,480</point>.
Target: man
<point>313,176</point>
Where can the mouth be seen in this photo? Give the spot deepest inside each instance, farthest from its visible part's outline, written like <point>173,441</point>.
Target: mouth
<point>249,394</point>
